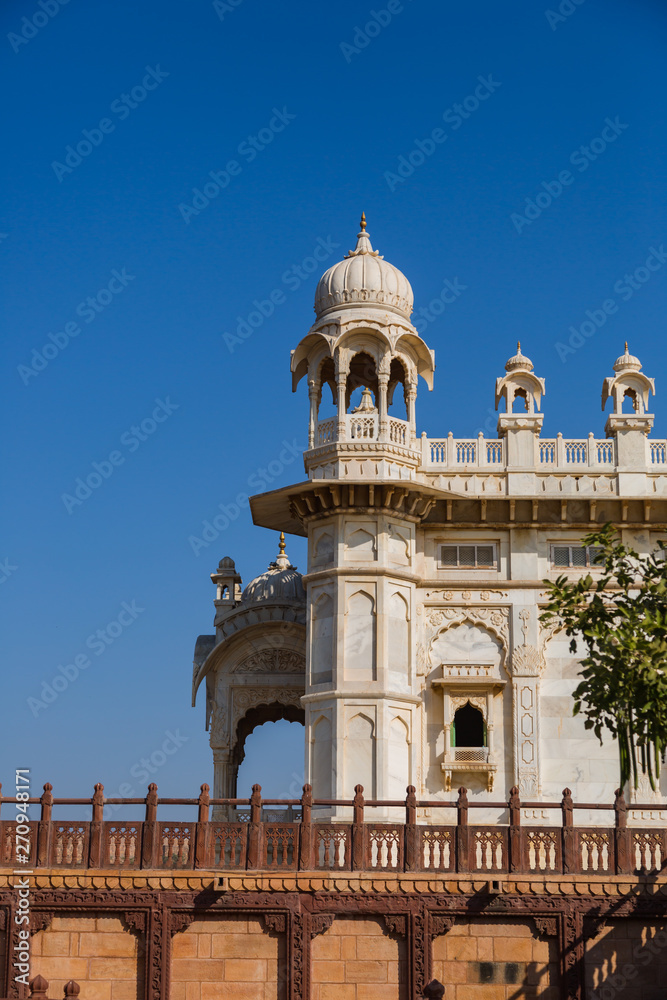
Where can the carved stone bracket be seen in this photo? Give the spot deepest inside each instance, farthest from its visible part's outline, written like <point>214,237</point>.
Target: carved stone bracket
<point>180,920</point>
<point>396,924</point>
<point>135,920</point>
<point>320,922</point>
<point>274,923</point>
<point>40,920</point>
<point>593,924</point>
<point>546,926</point>
<point>439,923</point>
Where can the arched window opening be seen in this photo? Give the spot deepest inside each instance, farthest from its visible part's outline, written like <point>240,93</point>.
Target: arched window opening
<point>270,751</point>
<point>469,729</point>
<point>363,375</point>
<point>522,394</point>
<point>629,404</point>
<point>397,404</point>
<point>327,401</point>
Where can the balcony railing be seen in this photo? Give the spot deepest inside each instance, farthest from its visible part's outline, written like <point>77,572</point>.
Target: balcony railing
<point>477,452</point>
<point>261,841</point>
<point>362,427</point>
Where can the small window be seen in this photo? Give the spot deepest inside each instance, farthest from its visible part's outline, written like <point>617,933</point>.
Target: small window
<point>575,556</point>
<point>467,557</point>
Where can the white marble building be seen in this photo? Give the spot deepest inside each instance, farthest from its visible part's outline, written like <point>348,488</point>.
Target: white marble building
<point>411,648</point>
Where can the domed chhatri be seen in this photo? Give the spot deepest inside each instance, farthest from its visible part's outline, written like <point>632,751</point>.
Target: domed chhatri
<point>363,276</point>
<point>627,362</point>
<point>519,361</point>
<point>281,581</point>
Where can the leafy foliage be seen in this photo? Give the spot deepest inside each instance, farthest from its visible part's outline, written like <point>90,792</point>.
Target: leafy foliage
<point>620,618</point>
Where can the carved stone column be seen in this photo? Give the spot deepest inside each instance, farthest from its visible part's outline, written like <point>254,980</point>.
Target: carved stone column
<point>314,398</point>
<point>526,668</point>
<point>383,384</point>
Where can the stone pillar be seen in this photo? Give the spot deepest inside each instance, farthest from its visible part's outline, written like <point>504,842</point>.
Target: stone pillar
<point>341,386</point>
<point>410,398</point>
<point>526,668</point>
<point>223,780</point>
<point>314,398</point>
<point>383,384</point>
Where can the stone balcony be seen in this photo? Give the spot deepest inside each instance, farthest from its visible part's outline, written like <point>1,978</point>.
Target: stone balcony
<point>359,447</point>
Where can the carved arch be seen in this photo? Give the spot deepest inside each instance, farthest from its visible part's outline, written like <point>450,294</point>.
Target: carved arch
<point>493,620</point>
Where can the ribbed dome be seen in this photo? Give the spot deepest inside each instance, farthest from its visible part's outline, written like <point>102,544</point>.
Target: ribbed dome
<point>519,361</point>
<point>363,276</point>
<point>280,582</point>
<point>627,362</point>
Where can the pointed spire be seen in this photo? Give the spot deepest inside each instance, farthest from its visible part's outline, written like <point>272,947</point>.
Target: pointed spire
<point>518,347</point>
<point>626,348</point>
<point>363,242</point>
<point>282,560</point>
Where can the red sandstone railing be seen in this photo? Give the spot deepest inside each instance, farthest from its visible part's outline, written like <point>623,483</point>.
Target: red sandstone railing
<point>256,843</point>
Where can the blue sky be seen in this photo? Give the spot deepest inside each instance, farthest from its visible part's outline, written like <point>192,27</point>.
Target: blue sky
<point>536,197</point>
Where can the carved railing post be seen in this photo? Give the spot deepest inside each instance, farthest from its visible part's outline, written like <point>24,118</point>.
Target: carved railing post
<point>568,833</point>
<point>622,843</point>
<point>358,830</point>
<point>44,828</point>
<point>95,847</point>
<point>462,831</point>
<point>412,860</point>
<point>434,990</point>
<point>39,988</point>
<point>203,829</point>
<point>306,830</point>
<point>515,844</point>
<point>255,828</point>
<point>149,846</point>
<point>72,990</point>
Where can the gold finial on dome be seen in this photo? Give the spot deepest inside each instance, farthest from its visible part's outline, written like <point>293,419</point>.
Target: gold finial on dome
<point>518,347</point>
<point>282,559</point>
<point>363,221</point>
<point>626,348</point>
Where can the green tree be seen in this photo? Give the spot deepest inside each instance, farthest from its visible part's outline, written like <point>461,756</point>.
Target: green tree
<point>620,619</point>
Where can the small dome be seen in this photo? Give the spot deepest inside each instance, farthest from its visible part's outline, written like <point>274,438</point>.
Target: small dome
<point>226,563</point>
<point>281,582</point>
<point>519,361</point>
<point>627,362</point>
<point>364,277</point>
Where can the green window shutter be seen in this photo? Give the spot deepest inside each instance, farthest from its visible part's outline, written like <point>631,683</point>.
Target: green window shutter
<point>452,739</point>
